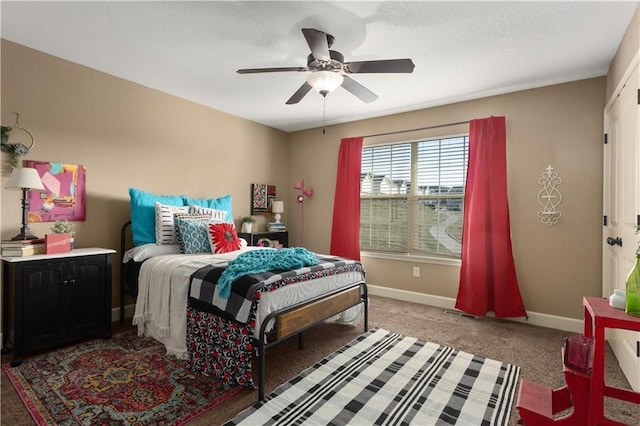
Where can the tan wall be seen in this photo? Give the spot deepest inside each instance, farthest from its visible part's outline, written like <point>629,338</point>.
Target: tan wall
<point>128,135</point>
<point>559,125</point>
<point>628,50</point>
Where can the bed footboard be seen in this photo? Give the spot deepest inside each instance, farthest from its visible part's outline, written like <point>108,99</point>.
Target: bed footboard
<point>295,319</point>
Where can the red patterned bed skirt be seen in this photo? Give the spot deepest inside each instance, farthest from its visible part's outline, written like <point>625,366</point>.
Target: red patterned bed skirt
<point>219,347</point>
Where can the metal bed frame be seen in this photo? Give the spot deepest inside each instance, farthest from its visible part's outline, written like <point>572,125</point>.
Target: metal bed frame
<point>287,322</point>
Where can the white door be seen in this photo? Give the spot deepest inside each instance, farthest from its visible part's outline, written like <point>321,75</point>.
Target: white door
<point>622,211</point>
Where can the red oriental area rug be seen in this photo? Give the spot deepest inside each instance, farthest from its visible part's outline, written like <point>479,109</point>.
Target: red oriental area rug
<point>127,380</point>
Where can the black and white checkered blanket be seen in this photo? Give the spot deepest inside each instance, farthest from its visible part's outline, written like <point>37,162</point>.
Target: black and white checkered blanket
<point>385,378</point>
<point>203,294</point>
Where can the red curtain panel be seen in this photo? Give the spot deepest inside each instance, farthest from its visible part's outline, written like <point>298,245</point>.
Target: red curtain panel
<point>488,279</point>
<point>345,231</point>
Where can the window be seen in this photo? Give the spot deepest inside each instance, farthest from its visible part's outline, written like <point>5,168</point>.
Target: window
<point>411,196</point>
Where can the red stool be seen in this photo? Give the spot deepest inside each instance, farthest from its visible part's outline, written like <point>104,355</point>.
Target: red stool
<point>538,404</point>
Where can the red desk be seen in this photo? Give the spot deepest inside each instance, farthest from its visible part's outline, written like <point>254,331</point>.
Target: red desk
<point>598,315</point>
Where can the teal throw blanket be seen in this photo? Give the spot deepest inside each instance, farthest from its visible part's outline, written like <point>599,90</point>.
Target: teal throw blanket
<point>256,261</point>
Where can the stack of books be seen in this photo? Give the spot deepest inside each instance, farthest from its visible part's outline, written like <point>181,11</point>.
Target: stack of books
<point>22,247</point>
<point>277,227</point>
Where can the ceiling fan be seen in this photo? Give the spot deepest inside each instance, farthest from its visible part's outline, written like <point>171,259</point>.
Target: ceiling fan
<point>329,70</point>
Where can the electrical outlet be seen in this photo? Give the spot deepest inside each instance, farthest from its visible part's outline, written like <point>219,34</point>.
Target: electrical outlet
<point>416,271</point>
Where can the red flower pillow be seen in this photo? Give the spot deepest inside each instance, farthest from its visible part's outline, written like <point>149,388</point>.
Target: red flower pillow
<point>223,237</point>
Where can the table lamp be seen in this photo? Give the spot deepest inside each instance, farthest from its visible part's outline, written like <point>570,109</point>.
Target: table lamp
<point>24,178</point>
<point>277,207</point>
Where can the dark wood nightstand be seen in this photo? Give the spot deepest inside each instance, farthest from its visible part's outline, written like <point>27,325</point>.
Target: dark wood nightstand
<point>49,300</point>
<point>270,238</point>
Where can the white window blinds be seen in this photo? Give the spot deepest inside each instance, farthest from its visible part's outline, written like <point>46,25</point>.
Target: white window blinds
<point>412,196</point>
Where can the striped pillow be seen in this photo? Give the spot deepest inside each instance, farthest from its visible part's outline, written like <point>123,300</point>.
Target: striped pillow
<point>214,214</point>
<point>165,226</point>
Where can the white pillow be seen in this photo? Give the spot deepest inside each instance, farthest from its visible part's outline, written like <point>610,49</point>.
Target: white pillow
<point>165,226</point>
<point>145,251</point>
<point>214,214</point>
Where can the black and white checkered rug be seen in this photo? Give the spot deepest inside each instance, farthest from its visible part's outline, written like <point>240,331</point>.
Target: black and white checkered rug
<point>385,378</point>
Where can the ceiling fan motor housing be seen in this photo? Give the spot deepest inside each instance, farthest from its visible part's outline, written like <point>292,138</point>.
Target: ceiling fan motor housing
<point>334,64</point>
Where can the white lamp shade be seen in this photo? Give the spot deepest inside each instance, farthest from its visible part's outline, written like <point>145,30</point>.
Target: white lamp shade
<point>24,177</point>
<point>277,206</point>
<point>325,81</point>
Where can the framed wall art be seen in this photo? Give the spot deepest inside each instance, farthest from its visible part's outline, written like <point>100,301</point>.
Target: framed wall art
<point>261,197</point>
<point>64,196</point>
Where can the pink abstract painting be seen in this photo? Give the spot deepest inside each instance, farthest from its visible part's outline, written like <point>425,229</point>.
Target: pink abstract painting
<point>64,196</point>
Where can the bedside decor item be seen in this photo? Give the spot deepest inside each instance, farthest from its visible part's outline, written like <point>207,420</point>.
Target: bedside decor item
<point>58,243</point>
<point>64,195</point>
<point>632,302</point>
<point>247,224</point>
<point>578,352</point>
<point>20,248</point>
<point>632,305</point>
<point>25,179</point>
<point>299,185</point>
<point>276,227</point>
<point>261,197</point>
<point>264,242</point>
<point>17,149</point>
<point>618,299</point>
<point>549,197</point>
<point>64,227</point>
<point>277,207</point>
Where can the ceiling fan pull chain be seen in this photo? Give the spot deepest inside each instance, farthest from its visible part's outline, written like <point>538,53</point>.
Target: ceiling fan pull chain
<point>324,113</point>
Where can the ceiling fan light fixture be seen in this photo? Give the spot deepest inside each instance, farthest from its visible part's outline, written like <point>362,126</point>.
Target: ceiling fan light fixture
<point>325,82</point>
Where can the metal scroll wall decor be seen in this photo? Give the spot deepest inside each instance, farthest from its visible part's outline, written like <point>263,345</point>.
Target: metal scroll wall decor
<point>549,197</point>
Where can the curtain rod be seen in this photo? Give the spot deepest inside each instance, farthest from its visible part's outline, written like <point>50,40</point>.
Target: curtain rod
<point>415,130</point>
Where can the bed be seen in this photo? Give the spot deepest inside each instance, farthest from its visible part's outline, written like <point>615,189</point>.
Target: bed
<point>175,305</point>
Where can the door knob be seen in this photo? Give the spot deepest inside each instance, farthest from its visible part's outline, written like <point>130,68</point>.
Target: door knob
<point>614,241</point>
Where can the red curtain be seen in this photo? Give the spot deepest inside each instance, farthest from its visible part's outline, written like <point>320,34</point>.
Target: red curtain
<point>345,231</point>
<point>488,279</point>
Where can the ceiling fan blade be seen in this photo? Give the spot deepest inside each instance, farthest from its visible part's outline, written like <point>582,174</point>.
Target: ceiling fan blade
<point>382,66</point>
<point>318,43</point>
<point>357,89</point>
<point>303,90</point>
<point>258,70</point>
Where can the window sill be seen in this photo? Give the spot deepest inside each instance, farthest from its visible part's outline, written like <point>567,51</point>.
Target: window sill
<point>412,258</point>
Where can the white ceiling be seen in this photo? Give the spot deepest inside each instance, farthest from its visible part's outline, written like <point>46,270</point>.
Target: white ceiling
<point>462,50</point>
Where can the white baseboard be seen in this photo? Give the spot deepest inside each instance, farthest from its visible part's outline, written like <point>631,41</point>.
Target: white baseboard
<point>535,318</point>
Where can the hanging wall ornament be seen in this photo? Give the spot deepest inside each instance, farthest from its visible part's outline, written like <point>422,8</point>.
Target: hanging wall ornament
<point>549,197</point>
<point>16,149</point>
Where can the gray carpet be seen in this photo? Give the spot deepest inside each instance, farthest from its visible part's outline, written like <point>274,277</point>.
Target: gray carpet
<point>536,350</point>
